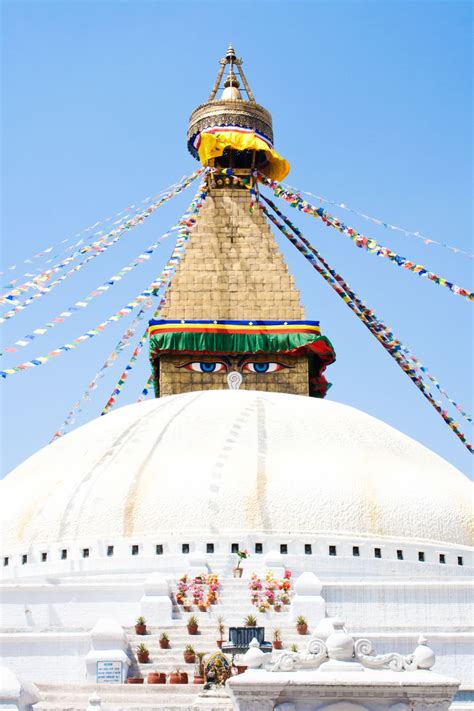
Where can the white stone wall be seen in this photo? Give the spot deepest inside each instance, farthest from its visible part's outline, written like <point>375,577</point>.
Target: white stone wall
<point>46,658</point>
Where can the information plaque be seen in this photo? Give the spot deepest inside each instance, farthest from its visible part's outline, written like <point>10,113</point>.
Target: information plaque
<point>109,672</point>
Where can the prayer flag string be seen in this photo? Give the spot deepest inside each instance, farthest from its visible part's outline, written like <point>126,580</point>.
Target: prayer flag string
<point>121,381</point>
<point>186,223</point>
<point>385,331</point>
<point>408,233</point>
<point>310,253</point>
<point>123,343</point>
<point>98,247</point>
<point>146,389</point>
<point>369,244</point>
<point>124,214</point>
<point>84,302</point>
<point>188,220</point>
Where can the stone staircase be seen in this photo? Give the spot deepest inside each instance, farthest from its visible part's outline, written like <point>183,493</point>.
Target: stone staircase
<point>233,605</point>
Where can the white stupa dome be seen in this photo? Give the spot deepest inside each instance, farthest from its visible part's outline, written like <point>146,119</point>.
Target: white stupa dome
<point>235,461</point>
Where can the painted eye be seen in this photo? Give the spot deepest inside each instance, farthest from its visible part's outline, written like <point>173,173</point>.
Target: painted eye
<point>256,367</point>
<point>204,367</point>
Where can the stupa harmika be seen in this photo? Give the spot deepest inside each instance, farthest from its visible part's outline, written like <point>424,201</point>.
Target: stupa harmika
<point>234,455</point>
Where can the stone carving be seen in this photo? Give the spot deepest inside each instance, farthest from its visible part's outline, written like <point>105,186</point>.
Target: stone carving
<point>340,652</point>
<point>422,658</point>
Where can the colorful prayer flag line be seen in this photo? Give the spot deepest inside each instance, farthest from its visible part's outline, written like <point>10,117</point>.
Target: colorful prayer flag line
<point>381,223</point>
<point>367,243</point>
<point>186,224</point>
<point>188,221</point>
<point>131,210</point>
<point>367,317</point>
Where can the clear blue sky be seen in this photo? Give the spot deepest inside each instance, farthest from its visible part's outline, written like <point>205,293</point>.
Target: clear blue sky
<point>371,103</point>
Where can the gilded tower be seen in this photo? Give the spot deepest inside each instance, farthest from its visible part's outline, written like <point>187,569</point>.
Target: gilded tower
<point>233,316</point>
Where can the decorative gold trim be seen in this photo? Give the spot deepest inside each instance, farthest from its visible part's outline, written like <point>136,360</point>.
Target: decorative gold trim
<point>231,113</point>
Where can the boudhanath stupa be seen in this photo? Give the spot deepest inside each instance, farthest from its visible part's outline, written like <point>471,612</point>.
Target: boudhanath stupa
<point>238,490</point>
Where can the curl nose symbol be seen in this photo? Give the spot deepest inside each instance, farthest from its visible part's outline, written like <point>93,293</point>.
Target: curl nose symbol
<point>234,380</point>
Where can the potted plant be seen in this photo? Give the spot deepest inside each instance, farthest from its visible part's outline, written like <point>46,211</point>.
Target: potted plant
<point>221,630</point>
<point>155,677</point>
<point>192,624</point>
<point>294,647</point>
<point>187,606</point>
<point>277,643</point>
<point>164,641</point>
<point>277,603</point>
<point>189,654</point>
<point>135,680</point>
<point>143,654</point>
<point>301,625</point>
<point>241,668</point>
<point>140,625</point>
<point>241,555</point>
<point>250,621</point>
<point>178,677</point>
<point>202,606</point>
<point>199,677</point>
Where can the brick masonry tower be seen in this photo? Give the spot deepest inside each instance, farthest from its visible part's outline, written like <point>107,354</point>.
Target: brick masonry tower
<point>233,316</point>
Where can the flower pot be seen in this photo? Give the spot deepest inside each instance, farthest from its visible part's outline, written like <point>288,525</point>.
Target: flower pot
<point>203,608</point>
<point>278,644</point>
<point>135,680</point>
<point>189,657</point>
<point>219,643</point>
<point>144,657</point>
<point>199,680</point>
<point>241,668</point>
<point>175,678</point>
<point>237,572</point>
<point>277,608</point>
<point>156,678</point>
<point>140,629</point>
<point>192,629</point>
<point>302,629</point>
<point>164,644</point>
<point>183,678</point>
<point>187,608</point>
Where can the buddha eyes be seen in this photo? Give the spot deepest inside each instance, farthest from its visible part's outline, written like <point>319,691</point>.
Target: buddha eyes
<point>198,366</point>
<point>205,367</point>
<point>258,367</point>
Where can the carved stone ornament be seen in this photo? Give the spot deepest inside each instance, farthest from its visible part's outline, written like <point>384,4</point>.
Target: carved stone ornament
<point>340,651</point>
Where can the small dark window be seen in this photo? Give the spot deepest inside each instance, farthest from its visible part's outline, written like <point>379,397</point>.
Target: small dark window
<point>159,549</point>
<point>234,547</point>
<point>421,556</point>
<point>332,550</point>
<point>6,560</point>
<point>110,551</point>
<point>460,560</point>
<point>400,555</point>
<point>85,552</point>
<point>64,554</point>
<point>355,551</point>
<point>185,548</point>
<point>134,549</point>
<point>259,548</point>
<point>24,559</point>
<point>308,549</point>
<point>210,548</point>
<point>377,552</point>
<point>442,558</point>
<point>283,549</point>
<point>44,557</point>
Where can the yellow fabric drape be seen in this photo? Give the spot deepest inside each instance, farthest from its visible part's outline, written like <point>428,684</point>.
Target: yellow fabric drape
<point>212,145</point>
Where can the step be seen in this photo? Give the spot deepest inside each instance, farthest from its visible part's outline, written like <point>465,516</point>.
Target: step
<point>128,697</point>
